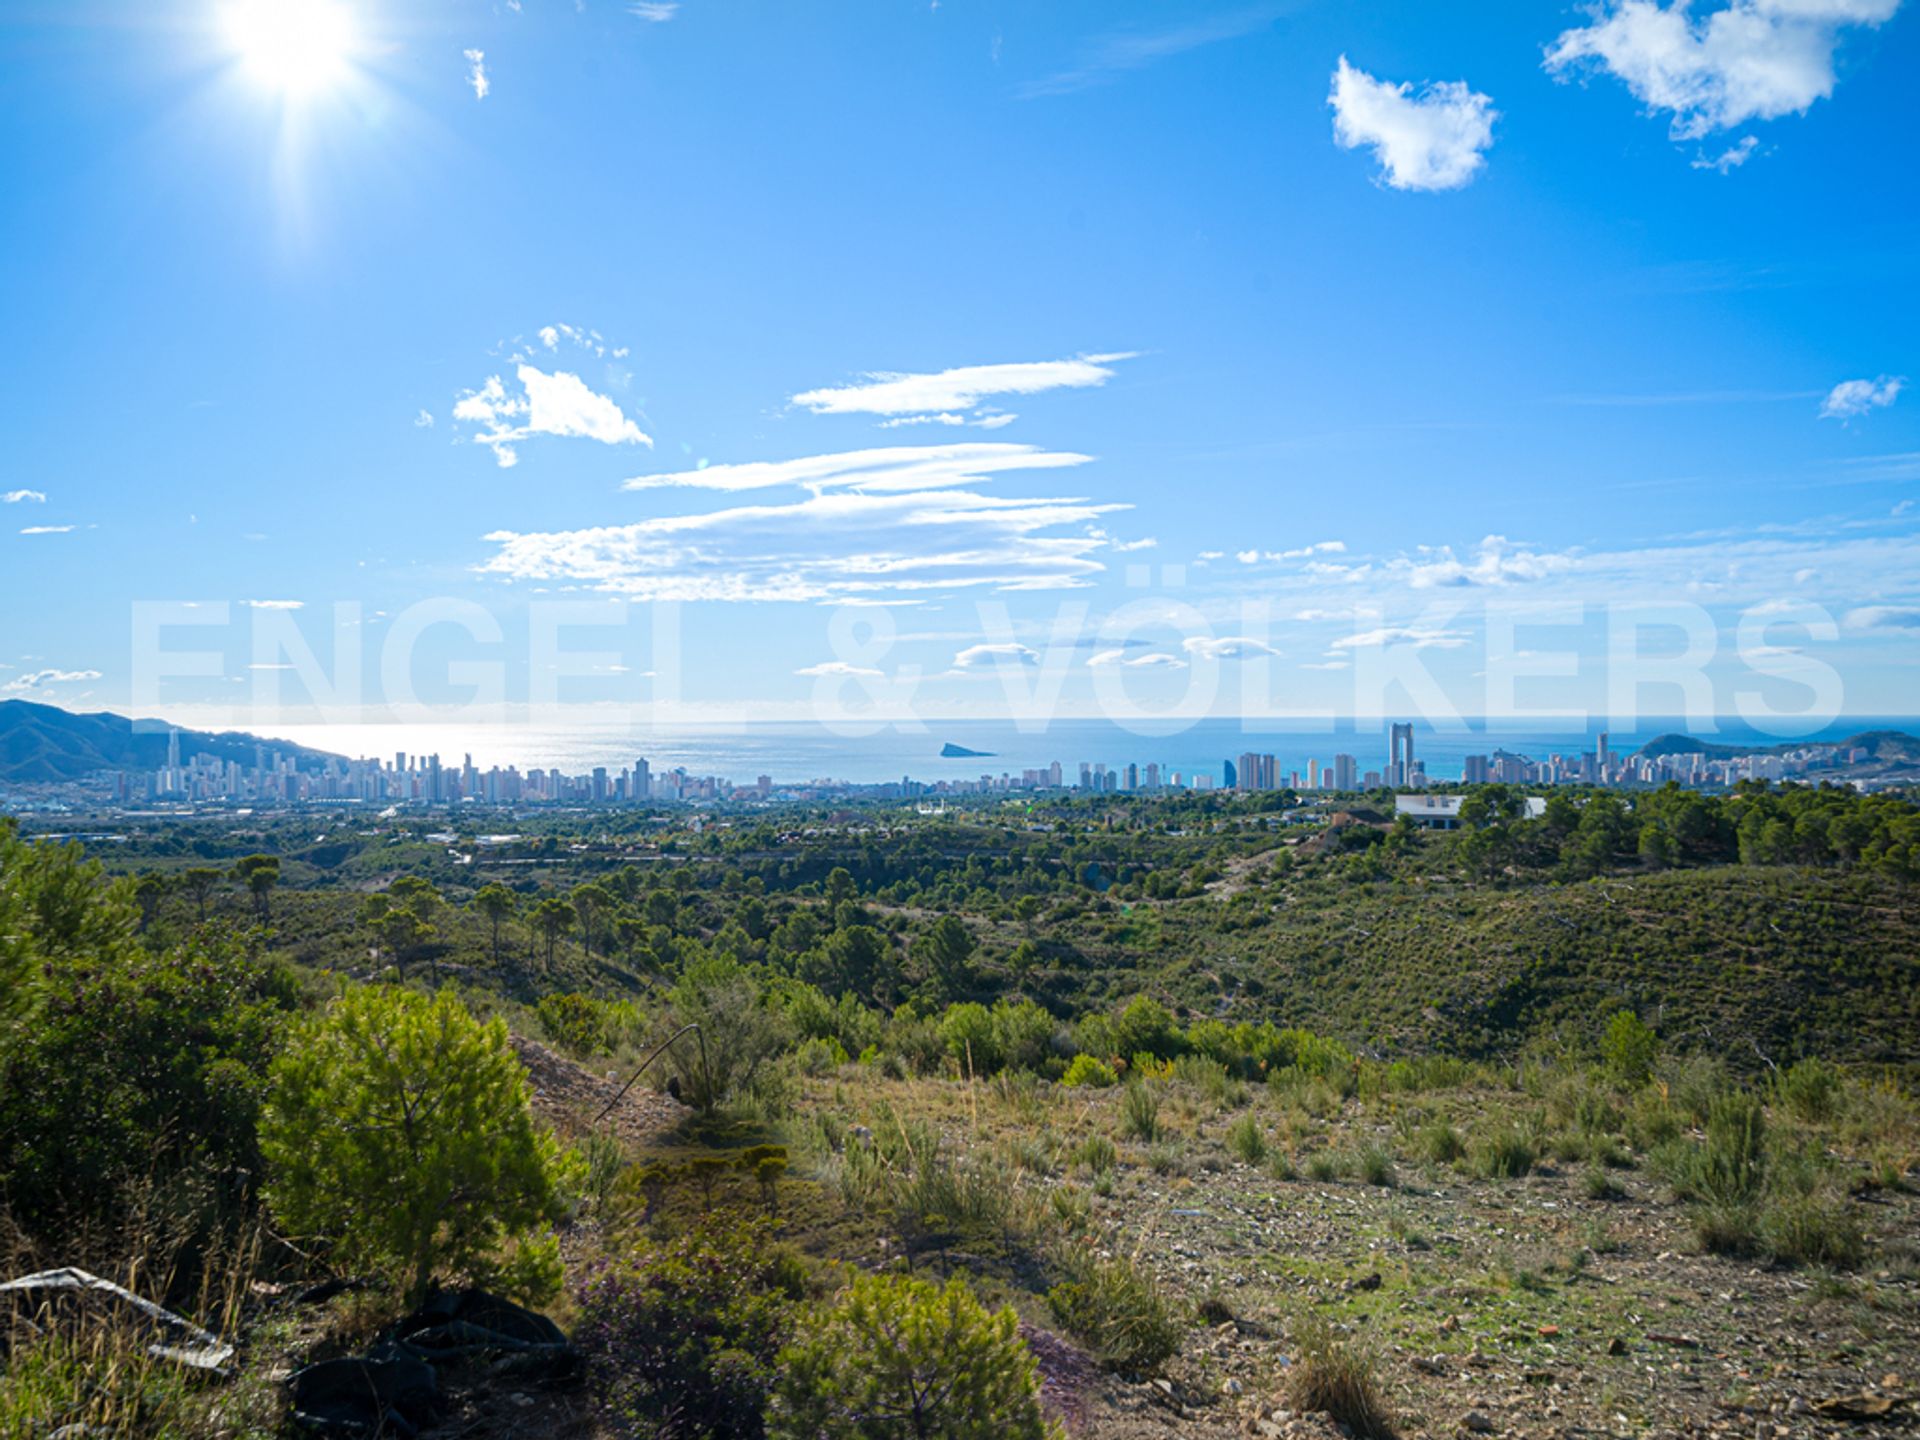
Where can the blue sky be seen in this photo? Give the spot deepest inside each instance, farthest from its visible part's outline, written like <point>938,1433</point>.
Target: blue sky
<point>1297,356</point>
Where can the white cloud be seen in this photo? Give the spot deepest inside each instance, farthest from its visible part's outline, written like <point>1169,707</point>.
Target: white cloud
<point>884,468</point>
<point>987,657</point>
<point>1751,60</point>
<point>423,420</point>
<point>1421,637</point>
<point>47,530</point>
<point>1227,647</point>
<point>1730,159</point>
<point>958,389</point>
<point>1327,665</point>
<point>1856,397</point>
<point>838,667</point>
<point>18,497</point>
<point>871,523</point>
<point>654,11</point>
<point>1153,660</point>
<point>477,73</point>
<point>38,679</point>
<point>1495,562</point>
<point>1431,140</point>
<point>558,404</point>
<point>1122,51</point>
<point>1884,617</point>
<point>276,604</point>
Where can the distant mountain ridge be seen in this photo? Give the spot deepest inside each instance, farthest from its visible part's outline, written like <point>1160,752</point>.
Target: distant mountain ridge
<point>45,745</point>
<point>1882,745</point>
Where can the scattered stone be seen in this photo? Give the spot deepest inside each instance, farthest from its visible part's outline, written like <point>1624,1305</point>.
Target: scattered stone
<point>1478,1422</point>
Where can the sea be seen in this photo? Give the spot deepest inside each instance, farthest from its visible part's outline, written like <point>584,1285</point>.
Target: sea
<point>802,752</point>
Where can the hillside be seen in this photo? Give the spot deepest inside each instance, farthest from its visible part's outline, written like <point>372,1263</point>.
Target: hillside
<point>45,745</point>
<point>1882,745</point>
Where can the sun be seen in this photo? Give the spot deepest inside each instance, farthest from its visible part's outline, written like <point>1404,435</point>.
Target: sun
<point>296,48</point>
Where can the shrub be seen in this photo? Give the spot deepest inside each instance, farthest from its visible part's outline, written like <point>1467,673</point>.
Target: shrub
<point>1247,1140</point>
<point>1335,1376</point>
<point>1505,1154</point>
<point>905,1357</point>
<point>1812,1227</point>
<point>583,1026</point>
<point>680,1338</point>
<point>1809,1089</point>
<point>398,1126</point>
<point>1441,1143</point>
<point>1139,1113</point>
<point>1628,1049</point>
<point>739,1031</point>
<point>1118,1311</point>
<point>1089,1070</point>
<point>1374,1164</point>
<point>137,1068</point>
<point>967,1033</point>
<point>1096,1152</point>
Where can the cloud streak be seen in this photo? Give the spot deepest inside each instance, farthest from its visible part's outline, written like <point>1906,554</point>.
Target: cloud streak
<point>932,398</point>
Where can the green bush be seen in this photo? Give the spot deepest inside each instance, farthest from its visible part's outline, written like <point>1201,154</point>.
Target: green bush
<point>1441,1143</point>
<point>1808,1089</point>
<point>137,1068</point>
<point>1090,1070</point>
<point>1506,1153</point>
<point>1812,1227</point>
<point>398,1127</point>
<point>907,1358</point>
<point>584,1026</point>
<point>1628,1050</point>
<point>1373,1162</point>
<point>680,1337</point>
<point>1139,1113</point>
<point>1247,1140</point>
<point>1096,1152</point>
<point>1118,1311</point>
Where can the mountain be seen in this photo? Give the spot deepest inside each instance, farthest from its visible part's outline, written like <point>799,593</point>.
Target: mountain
<point>951,751</point>
<point>45,745</point>
<point>1881,745</point>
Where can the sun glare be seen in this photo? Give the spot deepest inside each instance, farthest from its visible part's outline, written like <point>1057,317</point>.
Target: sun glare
<point>295,47</point>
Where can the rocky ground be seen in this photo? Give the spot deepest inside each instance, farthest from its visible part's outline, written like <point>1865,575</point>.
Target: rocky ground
<point>1518,1307</point>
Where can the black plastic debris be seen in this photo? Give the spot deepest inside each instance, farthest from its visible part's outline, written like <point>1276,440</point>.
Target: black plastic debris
<point>396,1395</point>
<point>406,1380</point>
<point>56,1297</point>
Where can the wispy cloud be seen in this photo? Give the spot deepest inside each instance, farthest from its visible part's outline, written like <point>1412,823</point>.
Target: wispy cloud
<point>656,12</point>
<point>1121,52</point>
<point>21,497</point>
<point>935,398</point>
<point>48,529</point>
<point>40,679</point>
<point>1717,69</point>
<point>891,467</point>
<point>1856,397</point>
<point>987,657</point>
<point>838,667</point>
<point>276,604</point>
<point>1435,138</point>
<point>1227,647</point>
<point>876,523</point>
<point>477,73</point>
<point>1884,617</point>
<point>1421,637</point>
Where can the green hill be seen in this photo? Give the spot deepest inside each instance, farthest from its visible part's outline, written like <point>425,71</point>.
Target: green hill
<point>45,745</point>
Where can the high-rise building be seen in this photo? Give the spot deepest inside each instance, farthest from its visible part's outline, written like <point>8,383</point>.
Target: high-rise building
<point>1478,770</point>
<point>1229,774</point>
<point>1345,772</point>
<point>1400,754</point>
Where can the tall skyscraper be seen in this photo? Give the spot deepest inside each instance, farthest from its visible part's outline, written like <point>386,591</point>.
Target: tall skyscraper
<point>1400,754</point>
<point>1346,772</point>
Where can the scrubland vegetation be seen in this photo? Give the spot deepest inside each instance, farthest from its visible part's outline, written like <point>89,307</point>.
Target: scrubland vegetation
<point>1084,1117</point>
